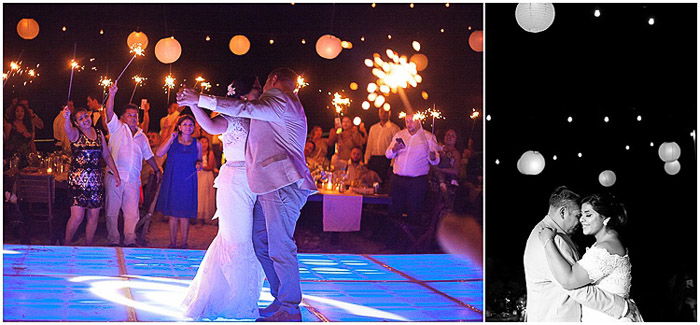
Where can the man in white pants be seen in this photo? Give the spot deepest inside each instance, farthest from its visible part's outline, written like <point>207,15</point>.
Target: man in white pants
<point>129,147</point>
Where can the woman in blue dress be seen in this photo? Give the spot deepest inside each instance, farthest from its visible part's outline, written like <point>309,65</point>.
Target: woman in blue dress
<point>178,191</point>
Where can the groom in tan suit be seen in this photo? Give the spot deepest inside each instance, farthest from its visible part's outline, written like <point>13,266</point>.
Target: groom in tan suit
<point>547,300</point>
<point>277,172</point>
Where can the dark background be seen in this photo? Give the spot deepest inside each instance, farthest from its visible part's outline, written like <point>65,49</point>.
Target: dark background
<point>616,65</point>
<point>453,78</point>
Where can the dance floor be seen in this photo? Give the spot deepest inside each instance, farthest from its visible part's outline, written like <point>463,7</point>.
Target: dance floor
<point>54,283</point>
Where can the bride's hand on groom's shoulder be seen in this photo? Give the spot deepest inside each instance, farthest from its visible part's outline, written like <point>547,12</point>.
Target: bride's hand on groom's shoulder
<point>546,234</point>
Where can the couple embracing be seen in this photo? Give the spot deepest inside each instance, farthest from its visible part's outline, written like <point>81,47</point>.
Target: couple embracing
<point>260,192</point>
<point>561,287</point>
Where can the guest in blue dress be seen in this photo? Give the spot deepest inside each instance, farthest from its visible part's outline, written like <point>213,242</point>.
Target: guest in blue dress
<point>178,191</point>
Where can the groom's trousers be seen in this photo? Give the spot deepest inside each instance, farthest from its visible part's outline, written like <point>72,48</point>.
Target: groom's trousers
<point>274,219</point>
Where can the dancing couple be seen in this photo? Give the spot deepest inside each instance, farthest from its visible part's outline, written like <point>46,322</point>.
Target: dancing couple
<point>260,192</point>
<point>563,288</point>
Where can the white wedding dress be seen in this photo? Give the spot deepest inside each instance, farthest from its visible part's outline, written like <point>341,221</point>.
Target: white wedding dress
<point>610,272</point>
<point>230,278</point>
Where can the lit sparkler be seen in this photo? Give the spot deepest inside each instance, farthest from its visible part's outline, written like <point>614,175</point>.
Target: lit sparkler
<point>475,114</point>
<point>205,86</point>
<point>138,81</point>
<point>169,84</point>
<point>137,50</point>
<point>340,103</point>
<point>301,83</point>
<point>393,76</point>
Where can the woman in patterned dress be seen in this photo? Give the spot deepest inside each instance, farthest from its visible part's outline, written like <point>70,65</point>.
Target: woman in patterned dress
<point>88,147</point>
<point>605,265</point>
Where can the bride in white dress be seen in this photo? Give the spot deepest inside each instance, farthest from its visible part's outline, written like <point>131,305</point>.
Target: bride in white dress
<point>230,278</point>
<point>605,264</point>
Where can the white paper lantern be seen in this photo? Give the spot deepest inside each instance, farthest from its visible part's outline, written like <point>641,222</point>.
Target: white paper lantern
<point>531,163</point>
<point>328,46</point>
<point>137,39</point>
<point>476,41</point>
<point>672,167</point>
<point>669,151</point>
<point>534,17</point>
<point>168,50</point>
<point>607,178</point>
<point>27,28</point>
<point>239,45</point>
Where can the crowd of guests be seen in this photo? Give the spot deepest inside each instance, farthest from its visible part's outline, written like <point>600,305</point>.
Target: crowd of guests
<point>134,173</point>
<point>405,163</point>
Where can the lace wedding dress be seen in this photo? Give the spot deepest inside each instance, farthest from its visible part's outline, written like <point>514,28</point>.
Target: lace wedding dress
<point>610,272</point>
<point>229,279</point>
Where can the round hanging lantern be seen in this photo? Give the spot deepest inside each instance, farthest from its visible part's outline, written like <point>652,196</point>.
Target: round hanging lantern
<point>420,60</point>
<point>328,46</point>
<point>672,167</point>
<point>476,41</point>
<point>607,178</point>
<point>137,39</point>
<point>669,151</point>
<point>168,50</point>
<point>534,17</point>
<point>27,28</point>
<point>531,163</point>
<point>239,45</point>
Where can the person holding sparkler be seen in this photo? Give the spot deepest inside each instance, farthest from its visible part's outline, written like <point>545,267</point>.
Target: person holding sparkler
<point>129,147</point>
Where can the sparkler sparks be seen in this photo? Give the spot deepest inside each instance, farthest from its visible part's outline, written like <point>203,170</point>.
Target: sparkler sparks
<point>301,83</point>
<point>475,114</point>
<point>205,86</point>
<point>138,80</point>
<point>340,103</point>
<point>393,76</point>
<point>105,83</point>
<point>169,82</point>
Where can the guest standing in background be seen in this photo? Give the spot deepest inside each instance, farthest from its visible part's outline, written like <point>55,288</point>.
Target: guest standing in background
<point>178,191</point>
<point>18,132</point>
<point>129,147</point>
<point>167,122</point>
<point>89,147</point>
<point>206,194</point>
<point>414,150</point>
<point>320,144</point>
<point>58,131</point>
<point>380,136</point>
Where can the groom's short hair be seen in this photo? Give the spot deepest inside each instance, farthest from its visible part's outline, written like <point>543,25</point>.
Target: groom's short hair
<point>285,75</point>
<point>562,196</point>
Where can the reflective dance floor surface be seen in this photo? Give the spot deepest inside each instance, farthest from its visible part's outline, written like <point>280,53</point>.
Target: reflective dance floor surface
<point>55,283</point>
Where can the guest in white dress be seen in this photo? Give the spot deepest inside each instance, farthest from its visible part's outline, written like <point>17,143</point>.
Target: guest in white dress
<point>206,204</point>
<point>230,278</point>
<point>605,265</point>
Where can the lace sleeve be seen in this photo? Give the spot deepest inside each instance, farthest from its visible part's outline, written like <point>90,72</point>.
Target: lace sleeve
<point>598,263</point>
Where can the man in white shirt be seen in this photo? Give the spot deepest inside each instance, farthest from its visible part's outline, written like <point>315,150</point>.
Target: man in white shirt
<point>169,120</point>
<point>547,300</point>
<point>380,136</point>
<point>413,150</point>
<point>129,147</point>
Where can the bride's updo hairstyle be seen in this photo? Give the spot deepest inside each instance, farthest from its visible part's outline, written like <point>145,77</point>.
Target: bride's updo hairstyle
<point>242,85</point>
<point>608,207</point>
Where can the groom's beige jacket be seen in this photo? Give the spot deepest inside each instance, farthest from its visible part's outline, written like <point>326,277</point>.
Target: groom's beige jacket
<point>275,145</point>
<point>547,300</point>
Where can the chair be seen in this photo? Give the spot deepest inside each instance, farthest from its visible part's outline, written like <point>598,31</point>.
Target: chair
<point>36,195</point>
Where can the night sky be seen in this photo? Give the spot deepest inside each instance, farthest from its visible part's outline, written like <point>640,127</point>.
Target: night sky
<point>453,78</point>
<point>616,65</point>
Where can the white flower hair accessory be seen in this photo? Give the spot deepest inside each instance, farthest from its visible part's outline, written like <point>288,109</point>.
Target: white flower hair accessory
<point>231,90</point>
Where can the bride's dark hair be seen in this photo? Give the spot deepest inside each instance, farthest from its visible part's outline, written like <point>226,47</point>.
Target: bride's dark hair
<point>608,206</point>
<point>243,85</point>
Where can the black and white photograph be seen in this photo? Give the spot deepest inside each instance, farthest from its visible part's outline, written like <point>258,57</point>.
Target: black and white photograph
<point>591,162</point>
